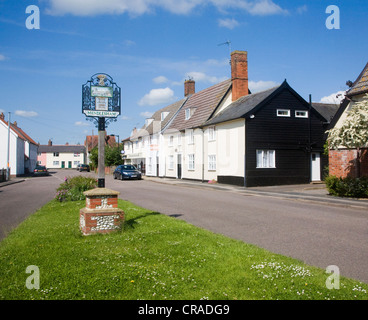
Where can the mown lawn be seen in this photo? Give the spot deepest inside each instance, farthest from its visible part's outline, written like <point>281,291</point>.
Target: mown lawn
<point>154,257</point>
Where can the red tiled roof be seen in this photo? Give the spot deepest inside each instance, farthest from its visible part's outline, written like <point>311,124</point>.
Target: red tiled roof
<point>204,103</point>
<point>92,141</point>
<point>20,133</point>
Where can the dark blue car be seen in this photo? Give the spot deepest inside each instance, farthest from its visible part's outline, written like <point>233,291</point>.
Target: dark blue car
<point>126,172</point>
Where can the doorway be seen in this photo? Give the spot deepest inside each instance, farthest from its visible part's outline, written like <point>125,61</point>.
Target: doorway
<point>179,166</point>
<point>315,166</point>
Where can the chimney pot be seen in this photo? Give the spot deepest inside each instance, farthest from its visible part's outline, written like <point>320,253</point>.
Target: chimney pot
<point>239,74</point>
<point>189,87</point>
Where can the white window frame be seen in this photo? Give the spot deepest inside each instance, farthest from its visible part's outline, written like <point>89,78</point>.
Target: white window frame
<point>266,159</point>
<point>171,141</point>
<point>171,162</point>
<point>191,161</point>
<point>179,139</point>
<point>190,136</point>
<point>212,162</point>
<point>56,163</point>
<point>187,114</point>
<point>56,154</point>
<point>304,114</point>
<point>280,112</point>
<point>211,134</point>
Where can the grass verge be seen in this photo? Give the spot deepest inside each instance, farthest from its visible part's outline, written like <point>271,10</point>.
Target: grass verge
<point>154,257</point>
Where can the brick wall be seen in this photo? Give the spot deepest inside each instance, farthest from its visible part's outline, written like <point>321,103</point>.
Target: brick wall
<point>342,163</point>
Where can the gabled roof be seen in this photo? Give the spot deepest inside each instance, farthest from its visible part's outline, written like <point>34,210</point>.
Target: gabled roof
<point>249,104</point>
<point>157,125</point>
<point>61,149</point>
<point>327,110</point>
<point>92,141</point>
<point>360,86</point>
<point>242,106</point>
<point>202,105</point>
<point>19,132</point>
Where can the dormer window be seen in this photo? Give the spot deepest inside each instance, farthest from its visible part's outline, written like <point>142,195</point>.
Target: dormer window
<point>164,115</point>
<point>187,114</point>
<point>148,122</point>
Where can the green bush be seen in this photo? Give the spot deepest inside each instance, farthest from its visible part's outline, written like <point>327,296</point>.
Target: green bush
<point>347,187</point>
<point>72,188</point>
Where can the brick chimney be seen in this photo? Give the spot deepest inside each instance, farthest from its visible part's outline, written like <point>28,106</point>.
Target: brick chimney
<point>50,143</point>
<point>189,87</point>
<point>2,116</point>
<point>15,123</point>
<point>239,74</point>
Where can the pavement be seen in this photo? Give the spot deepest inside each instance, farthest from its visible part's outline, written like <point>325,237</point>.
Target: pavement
<point>11,181</point>
<point>316,192</point>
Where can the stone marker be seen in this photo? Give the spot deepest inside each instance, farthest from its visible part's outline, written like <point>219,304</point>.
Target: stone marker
<point>101,214</point>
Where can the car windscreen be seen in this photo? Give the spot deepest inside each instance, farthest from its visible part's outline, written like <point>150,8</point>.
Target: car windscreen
<point>128,167</point>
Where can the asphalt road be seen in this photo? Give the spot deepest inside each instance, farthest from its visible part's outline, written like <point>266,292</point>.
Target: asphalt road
<point>318,233</point>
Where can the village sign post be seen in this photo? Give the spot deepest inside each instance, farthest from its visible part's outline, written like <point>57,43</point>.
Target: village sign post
<point>101,104</point>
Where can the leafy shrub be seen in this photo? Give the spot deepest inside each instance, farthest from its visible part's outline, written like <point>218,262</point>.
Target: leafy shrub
<point>72,188</point>
<point>347,187</point>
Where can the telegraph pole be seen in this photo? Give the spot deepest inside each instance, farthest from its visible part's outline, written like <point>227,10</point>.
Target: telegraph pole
<point>8,152</point>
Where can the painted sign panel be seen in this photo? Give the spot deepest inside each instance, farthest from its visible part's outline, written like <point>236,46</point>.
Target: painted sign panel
<point>105,92</point>
<point>104,114</point>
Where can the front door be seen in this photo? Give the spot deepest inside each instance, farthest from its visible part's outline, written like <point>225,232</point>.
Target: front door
<point>157,167</point>
<point>62,164</point>
<point>69,164</point>
<point>316,166</point>
<point>179,166</point>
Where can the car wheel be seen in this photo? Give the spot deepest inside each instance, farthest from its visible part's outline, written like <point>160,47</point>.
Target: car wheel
<point>114,176</point>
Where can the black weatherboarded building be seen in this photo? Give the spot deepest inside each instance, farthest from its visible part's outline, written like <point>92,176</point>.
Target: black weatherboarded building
<point>284,137</point>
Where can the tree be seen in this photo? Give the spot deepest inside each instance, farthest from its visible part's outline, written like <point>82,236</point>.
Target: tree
<point>353,133</point>
<point>112,156</point>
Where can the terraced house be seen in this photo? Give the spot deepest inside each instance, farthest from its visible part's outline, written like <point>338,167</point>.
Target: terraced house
<point>227,134</point>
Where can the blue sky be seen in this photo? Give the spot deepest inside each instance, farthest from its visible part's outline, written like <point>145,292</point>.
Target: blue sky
<point>149,47</point>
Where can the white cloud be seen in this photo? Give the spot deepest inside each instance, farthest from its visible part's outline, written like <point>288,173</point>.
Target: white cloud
<point>302,9</point>
<point>334,98</point>
<point>81,124</point>
<point>228,23</point>
<point>160,79</point>
<point>157,97</point>
<point>2,57</point>
<point>129,43</point>
<point>202,77</point>
<point>257,86</point>
<point>265,8</point>
<point>26,114</point>
<point>146,114</point>
<point>139,7</point>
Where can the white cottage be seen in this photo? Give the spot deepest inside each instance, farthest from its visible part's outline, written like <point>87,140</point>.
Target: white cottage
<point>22,149</point>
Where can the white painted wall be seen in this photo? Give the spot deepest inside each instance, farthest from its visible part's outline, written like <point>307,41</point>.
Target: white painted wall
<point>231,148</point>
